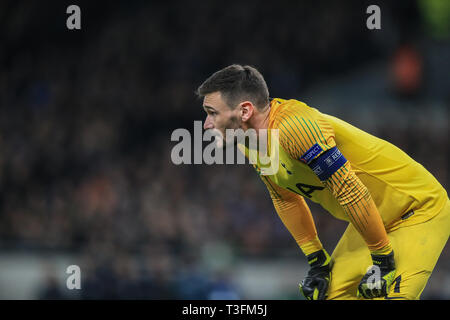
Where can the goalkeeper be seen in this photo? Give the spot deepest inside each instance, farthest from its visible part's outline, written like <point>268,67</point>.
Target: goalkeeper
<point>398,213</point>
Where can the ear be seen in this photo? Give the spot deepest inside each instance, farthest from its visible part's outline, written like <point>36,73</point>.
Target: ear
<point>246,109</point>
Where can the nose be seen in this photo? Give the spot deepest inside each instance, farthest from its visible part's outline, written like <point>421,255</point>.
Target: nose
<point>208,123</point>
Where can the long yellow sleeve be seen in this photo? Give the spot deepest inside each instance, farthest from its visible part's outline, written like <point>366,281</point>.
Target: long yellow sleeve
<point>357,202</point>
<point>302,132</point>
<point>296,216</point>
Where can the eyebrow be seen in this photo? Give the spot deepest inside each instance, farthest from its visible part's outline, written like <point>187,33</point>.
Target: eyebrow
<point>208,107</point>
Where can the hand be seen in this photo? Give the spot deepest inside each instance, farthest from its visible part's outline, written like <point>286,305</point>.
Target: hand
<point>379,278</point>
<point>315,285</point>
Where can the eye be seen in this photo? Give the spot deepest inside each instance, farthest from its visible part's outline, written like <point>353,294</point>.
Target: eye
<point>210,111</point>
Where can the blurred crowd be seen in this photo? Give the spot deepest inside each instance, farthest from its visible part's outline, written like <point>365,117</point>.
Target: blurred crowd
<point>85,138</point>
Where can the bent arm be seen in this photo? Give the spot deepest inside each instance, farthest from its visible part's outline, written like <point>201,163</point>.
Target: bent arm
<point>308,137</point>
<point>355,199</point>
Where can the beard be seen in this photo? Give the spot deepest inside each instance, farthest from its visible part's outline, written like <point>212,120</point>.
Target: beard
<point>231,141</point>
<point>223,138</point>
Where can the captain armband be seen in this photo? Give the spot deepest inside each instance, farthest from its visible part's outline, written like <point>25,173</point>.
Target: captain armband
<point>326,164</point>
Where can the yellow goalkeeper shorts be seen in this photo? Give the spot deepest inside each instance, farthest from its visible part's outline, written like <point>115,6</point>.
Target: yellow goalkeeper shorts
<point>416,248</point>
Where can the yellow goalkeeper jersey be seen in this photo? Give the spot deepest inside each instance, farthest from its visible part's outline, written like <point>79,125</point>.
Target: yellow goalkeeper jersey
<point>374,179</point>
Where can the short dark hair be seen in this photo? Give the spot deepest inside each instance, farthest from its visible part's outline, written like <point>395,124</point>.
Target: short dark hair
<point>237,83</point>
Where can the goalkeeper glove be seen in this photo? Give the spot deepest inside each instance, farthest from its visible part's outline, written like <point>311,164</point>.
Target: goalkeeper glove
<point>315,285</point>
<point>379,278</point>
